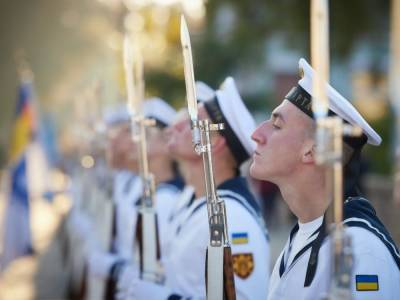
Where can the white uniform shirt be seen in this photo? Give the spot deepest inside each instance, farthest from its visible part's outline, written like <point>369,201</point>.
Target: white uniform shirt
<point>181,205</point>
<point>302,236</point>
<point>372,260</point>
<point>127,191</point>
<point>185,267</point>
<point>127,195</point>
<point>167,195</point>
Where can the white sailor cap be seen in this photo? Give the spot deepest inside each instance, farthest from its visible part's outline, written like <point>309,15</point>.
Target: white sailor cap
<point>338,105</point>
<point>204,92</point>
<point>154,108</point>
<point>226,106</point>
<point>116,115</point>
<point>160,110</point>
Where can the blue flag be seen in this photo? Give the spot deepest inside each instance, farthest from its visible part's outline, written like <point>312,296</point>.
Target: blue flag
<point>16,227</point>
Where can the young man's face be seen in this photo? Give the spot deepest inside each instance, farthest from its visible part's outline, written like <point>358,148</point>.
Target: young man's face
<point>180,137</point>
<point>122,151</point>
<point>280,143</point>
<point>157,141</point>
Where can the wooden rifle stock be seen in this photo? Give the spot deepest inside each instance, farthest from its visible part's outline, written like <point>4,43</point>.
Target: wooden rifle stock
<point>229,278</point>
<point>139,239</point>
<point>111,285</point>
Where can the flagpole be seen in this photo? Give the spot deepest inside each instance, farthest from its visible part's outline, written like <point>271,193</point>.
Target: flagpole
<point>24,70</point>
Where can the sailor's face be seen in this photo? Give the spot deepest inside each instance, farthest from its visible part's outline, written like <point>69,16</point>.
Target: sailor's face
<point>280,142</point>
<point>157,141</point>
<point>129,150</point>
<point>180,136</point>
<point>122,150</point>
<point>114,157</point>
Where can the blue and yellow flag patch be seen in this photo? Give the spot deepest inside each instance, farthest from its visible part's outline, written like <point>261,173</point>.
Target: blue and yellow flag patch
<point>240,238</point>
<point>367,283</point>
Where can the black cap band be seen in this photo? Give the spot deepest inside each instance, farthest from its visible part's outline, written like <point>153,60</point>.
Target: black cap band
<point>214,111</point>
<point>160,124</point>
<point>302,99</point>
<point>299,97</point>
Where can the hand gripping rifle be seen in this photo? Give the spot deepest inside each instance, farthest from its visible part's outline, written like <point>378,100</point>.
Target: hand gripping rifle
<point>146,227</point>
<point>329,139</point>
<point>219,270</point>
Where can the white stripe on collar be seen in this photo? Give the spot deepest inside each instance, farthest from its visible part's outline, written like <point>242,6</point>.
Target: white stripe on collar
<point>376,230</point>
<point>244,202</point>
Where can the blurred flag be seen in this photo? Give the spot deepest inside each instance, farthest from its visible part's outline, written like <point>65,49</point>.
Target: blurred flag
<point>16,228</point>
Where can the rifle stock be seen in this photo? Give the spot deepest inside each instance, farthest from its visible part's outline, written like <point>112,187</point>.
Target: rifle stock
<point>140,241</point>
<point>229,291</point>
<point>110,288</point>
<point>229,279</point>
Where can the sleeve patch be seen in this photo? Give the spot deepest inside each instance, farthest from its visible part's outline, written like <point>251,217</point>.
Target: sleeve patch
<point>240,238</point>
<point>243,264</point>
<point>367,283</point>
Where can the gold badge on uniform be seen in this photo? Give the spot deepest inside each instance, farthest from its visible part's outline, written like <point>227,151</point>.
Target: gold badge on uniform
<point>243,264</point>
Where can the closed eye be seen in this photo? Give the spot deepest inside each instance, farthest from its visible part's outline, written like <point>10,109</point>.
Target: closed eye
<point>277,120</point>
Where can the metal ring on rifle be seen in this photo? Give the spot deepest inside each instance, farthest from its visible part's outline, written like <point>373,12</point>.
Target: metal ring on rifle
<point>216,127</point>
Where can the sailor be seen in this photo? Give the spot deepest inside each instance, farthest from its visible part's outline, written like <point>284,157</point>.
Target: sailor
<point>285,155</point>
<point>185,266</point>
<point>125,185</point>
<point>128,190</point>
<point>185,198</point>
<point>169,182</point>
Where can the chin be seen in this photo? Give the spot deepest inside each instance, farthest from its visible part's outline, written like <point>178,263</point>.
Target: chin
<point>259,173</point>
<point>255,172</point>
<point>174,152</point>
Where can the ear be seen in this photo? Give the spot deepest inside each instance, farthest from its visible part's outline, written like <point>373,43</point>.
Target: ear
<point>308,155</point>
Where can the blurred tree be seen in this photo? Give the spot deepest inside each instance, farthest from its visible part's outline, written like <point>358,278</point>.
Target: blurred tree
<point>3,156</point>
<point>65,40</point>
<point>219,51</point>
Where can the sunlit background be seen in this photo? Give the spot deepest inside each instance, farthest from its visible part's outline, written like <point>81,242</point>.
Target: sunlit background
<point>74,49</point>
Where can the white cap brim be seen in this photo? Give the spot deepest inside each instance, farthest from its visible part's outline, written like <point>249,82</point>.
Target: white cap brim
<point>338,104</point>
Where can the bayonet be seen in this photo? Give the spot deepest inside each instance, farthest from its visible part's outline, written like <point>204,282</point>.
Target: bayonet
<point>219,270</point>
<point>190,84</point>
<point>146,227</point>
<point>189,73</point>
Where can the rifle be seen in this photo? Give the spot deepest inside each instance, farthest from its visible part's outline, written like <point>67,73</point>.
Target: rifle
<point>394,88</point>
<point>220,282</point>
<point>329,143</point>
<point>146,226</point>
<point>104,221</point>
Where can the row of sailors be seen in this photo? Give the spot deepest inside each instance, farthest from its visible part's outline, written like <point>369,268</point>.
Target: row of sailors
<point>283,152</point>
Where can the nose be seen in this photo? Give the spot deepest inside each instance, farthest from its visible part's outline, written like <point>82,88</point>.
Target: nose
<point>259,134</point>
